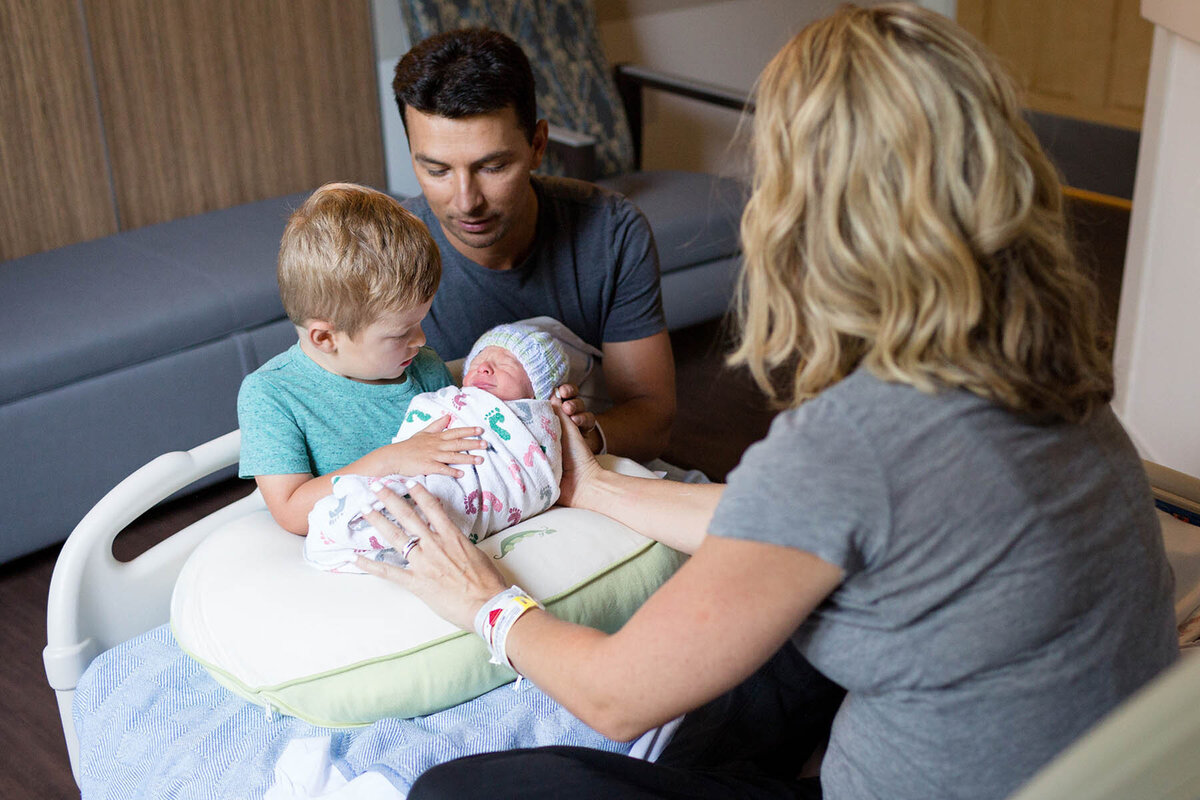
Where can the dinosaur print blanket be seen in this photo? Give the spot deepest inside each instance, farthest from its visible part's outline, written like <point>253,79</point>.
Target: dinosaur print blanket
<point>519,477</point>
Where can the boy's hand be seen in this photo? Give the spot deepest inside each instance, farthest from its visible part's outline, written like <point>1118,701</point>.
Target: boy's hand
<point>566,397</point>
<point>433,450</point>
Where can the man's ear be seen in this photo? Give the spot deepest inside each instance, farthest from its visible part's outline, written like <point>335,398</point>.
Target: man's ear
<point>319,334</point>
<point>541,137</point>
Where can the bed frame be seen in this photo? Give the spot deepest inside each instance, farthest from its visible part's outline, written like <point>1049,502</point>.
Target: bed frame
<point>96,602</point>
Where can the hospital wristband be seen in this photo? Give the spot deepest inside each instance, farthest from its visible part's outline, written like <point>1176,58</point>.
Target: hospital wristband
<point>495,619</point>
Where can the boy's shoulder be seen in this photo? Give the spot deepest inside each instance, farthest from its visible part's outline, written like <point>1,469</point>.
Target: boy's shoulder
<point>281,361</point>
<point>280,366</point>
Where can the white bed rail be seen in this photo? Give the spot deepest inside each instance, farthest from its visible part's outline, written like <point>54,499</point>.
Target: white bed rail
<point>96,601</point>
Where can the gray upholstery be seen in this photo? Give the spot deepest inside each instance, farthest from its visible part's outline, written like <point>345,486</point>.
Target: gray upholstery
<point>694,216</point>
<point>124,348</point>
<point>94,307</point>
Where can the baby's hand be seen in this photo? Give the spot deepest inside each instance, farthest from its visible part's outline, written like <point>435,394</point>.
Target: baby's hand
<point>431,451</point>
<point>567,398</point>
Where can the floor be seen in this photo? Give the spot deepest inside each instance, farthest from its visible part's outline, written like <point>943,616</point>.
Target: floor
<point>720,414</point>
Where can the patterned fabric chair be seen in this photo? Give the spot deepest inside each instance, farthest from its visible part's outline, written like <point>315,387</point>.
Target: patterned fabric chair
<point>595,120</point>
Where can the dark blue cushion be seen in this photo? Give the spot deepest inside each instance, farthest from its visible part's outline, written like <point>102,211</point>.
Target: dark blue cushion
<point>90,308</point>
<point>694,216</point>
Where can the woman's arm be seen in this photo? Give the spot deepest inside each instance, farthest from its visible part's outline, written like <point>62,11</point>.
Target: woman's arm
<point>676,514</point>
<point>726,611</point>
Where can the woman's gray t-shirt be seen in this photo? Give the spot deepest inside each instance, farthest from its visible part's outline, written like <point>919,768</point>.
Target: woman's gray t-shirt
<point>1005,582</point>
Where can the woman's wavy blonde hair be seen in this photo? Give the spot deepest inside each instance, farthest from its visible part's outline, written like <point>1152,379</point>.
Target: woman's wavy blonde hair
<point>904,219</point>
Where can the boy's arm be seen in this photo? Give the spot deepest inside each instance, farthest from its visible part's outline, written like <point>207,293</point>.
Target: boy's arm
<point>289,498</point>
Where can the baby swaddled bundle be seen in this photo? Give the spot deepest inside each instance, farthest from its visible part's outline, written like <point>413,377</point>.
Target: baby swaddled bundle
<point>519,477</point>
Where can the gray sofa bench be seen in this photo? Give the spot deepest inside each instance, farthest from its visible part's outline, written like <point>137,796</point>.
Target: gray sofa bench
<point>120,349</point>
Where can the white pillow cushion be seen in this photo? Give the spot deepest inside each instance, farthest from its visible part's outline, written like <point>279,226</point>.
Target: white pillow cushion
<point>343,650</point>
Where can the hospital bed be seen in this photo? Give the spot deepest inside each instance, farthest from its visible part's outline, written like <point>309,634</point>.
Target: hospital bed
<point>110,616</point>
<point>143,719</point>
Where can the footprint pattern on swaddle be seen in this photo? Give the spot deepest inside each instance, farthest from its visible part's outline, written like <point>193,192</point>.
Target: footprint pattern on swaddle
<point>517,479</point>
<point>494,418</point>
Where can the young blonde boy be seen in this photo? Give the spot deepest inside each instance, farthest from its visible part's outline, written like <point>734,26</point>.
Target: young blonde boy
<point>357,274</point>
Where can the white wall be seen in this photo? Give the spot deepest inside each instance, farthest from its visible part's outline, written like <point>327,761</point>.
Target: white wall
<point>391,42</point>
<point>727,42</point>
<point>1158,328</point>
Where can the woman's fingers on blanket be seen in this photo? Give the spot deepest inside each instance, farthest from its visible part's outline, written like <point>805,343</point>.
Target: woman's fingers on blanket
<point>451,575</point>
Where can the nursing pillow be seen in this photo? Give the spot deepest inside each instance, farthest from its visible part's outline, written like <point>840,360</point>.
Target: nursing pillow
<point>344,650</point>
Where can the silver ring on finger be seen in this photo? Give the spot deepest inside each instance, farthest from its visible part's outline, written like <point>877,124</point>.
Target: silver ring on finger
<point>408,547</point>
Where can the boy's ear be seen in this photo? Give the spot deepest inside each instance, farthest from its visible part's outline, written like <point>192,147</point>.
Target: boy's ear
<point>320,335</point>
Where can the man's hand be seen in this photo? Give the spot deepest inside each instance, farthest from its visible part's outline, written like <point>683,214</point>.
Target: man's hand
<point>573,406</point>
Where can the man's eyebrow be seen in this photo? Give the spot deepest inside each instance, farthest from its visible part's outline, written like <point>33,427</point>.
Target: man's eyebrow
<point>479,162</point>
<point>424,159</point>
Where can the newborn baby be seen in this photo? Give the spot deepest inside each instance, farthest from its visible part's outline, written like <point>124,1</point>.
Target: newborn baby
<point>511,373</point>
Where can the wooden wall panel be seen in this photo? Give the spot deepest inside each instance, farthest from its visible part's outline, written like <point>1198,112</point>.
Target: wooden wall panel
<point>212,103</point>
<point>54,189</point>
<point>1080,58</point>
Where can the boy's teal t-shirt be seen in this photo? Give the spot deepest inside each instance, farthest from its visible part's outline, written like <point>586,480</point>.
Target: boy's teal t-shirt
<point>297,417</point>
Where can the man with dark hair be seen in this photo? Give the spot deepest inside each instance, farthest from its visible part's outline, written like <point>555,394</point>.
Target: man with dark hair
<point>516,245</point>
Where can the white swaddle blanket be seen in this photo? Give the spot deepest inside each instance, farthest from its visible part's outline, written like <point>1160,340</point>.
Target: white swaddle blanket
<point>518,478</point>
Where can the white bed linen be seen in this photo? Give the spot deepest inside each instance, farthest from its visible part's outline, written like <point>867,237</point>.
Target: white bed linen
<point>152,723</point>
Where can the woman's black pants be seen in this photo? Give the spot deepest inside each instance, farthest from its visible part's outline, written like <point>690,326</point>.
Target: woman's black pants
<point>747,743</point>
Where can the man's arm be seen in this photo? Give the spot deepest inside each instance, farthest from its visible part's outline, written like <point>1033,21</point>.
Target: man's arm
<point>640,376</point>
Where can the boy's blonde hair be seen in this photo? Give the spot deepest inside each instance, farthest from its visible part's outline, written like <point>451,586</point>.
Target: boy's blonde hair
<point>904,218</point>
<point>350,254</point>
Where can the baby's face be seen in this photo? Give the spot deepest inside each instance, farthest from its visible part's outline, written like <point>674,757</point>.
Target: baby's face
<point>498,371</point>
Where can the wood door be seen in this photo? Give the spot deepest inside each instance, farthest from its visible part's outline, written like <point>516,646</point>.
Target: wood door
<point>54,189</point>
<point>1087,59</point>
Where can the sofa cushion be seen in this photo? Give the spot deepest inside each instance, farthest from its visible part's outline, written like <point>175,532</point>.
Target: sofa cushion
<point>90,308</point>
<point>694,216</point>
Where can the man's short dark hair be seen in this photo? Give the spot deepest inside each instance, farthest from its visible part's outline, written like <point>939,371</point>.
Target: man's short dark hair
<point>467,72</point>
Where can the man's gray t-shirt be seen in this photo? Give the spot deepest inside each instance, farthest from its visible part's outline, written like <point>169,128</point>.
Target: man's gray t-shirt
<point>1005,583</point>
<point>593,267</point>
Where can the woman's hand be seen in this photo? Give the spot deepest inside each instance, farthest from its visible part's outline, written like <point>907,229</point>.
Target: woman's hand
<point>445,570</point>
<point>567,396</point>
<point>580,468</point>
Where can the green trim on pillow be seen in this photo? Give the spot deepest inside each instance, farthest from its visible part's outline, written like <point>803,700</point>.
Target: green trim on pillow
<point>452,669</point>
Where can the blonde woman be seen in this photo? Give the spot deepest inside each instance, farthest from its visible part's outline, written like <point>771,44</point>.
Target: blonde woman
<point>948,521</point>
